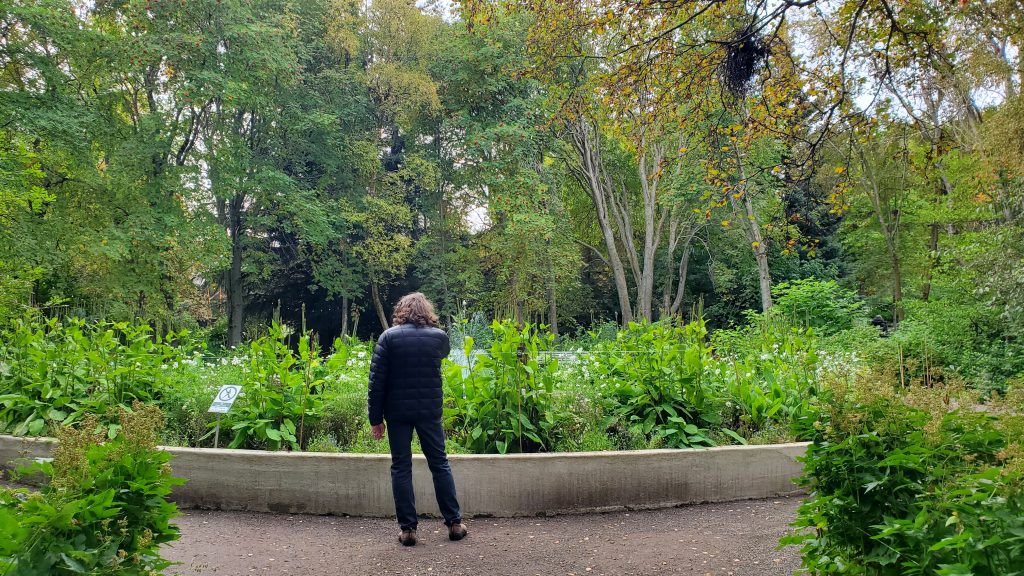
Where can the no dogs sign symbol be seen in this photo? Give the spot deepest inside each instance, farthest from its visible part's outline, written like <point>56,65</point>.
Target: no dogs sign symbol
<point>225,398</point>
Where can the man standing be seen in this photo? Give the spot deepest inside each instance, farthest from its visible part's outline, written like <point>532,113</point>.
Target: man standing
<point>405,390</point>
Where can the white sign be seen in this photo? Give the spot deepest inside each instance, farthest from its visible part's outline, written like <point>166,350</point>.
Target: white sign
<point>225,398</point>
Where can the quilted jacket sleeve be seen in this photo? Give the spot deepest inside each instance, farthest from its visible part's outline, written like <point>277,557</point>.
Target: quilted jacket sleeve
<point>378,389</point>
<point>446,348</point>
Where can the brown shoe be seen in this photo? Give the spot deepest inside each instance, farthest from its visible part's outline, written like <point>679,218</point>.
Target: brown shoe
<point>407,538</point>
<point>457,531</point>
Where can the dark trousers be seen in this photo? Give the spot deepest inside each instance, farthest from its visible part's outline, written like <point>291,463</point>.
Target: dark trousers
<point>431,436</point>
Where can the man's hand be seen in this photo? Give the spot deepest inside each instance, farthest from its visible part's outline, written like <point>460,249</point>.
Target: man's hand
<point>378,431</point>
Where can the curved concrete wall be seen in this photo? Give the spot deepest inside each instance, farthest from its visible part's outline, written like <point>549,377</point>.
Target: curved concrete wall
<point>488,485</point>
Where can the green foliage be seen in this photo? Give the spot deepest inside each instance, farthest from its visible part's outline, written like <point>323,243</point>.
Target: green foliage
<point>186,393</point>
<point>278,403</point>
<point>667,384</point>
<point>906,482</point>
<point>656,375</point>
<point>104,510</point>
<point>501,401</point>
<point>822,305</point>
<point>345,374</point>
<point>949,341</point>
<point>770,373</point>
<point>54,372</point>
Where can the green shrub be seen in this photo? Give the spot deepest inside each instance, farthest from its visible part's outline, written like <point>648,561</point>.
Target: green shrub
<point>590,440</point>
<point>279,405</point>
<point>651,385</point>
<point>656,378</point>
<point>940,341</point>
<point>324,442</point>
<point>104,510</point>
<point>343,416</point>
<point>502,401</point>
<point>345,376</point>
<point>54,372</point>
<point>769,374</point>
<point>904,482</point>
<point>819,304</point>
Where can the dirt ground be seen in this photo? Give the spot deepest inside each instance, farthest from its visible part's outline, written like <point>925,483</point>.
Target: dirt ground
<point>737,539</point>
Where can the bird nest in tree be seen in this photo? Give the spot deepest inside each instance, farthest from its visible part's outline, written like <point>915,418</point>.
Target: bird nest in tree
<point>745,53</point>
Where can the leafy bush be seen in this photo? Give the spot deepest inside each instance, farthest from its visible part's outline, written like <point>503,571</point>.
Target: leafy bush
<point>819,304</point>
<point>652,385</point>
<point>501,402</point>
<point>279,404</point>
<point>187,392</point>
<point>769,374</point>
<point>104,510</point>
<point>941,341</point>
<point>656,375</point>
<point>914,481</point>
<point>345,375</point>
<point>55,372</point>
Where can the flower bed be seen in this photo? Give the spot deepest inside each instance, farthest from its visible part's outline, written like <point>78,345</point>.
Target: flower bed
<point>660,385</point>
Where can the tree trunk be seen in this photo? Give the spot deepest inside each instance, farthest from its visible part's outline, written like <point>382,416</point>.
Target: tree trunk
<point>344,316</point>
<point>672,298</point>
<point>666,292</point>
<point>754,236</point>
<point>236,296</point>
<point>890,231</point>
<point>764,276</point>
<point>684,264</point>
<point>552,310</point>
<point>377,304</point>
<point>649,179</point>
<point>589,172</point>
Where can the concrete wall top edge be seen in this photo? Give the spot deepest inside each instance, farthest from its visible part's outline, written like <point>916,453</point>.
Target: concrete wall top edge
<point>30,439</point>
<point>796,446</point>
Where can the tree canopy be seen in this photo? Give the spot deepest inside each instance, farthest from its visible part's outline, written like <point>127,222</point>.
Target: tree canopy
<point>218,162</point>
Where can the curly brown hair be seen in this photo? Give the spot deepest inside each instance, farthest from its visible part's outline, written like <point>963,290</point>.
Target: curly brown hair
<point>414,309</point>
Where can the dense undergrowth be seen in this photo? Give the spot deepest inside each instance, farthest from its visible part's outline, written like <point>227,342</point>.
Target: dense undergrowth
<point>653,385</point>
<point>507,388</point>
<point>104,509</point>
<point>913,480</point>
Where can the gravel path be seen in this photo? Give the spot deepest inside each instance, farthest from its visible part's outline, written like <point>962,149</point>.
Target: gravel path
<point>737,538</point>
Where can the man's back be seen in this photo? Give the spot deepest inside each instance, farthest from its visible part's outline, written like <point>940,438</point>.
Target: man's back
<point>406,371</point>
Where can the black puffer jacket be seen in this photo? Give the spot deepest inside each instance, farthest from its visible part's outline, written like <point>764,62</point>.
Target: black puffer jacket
<point>405,374</point>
